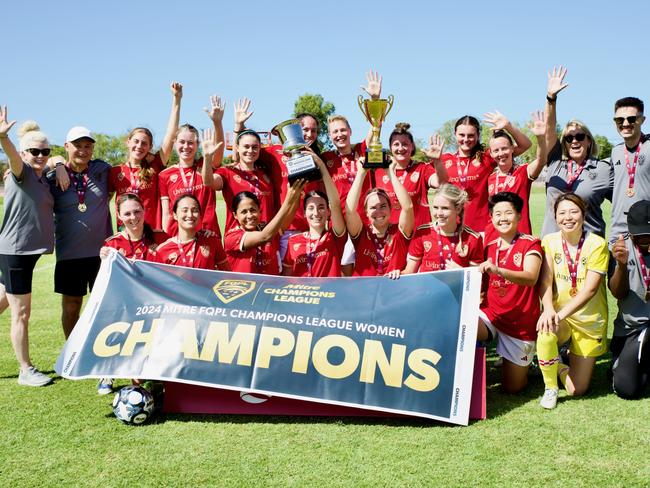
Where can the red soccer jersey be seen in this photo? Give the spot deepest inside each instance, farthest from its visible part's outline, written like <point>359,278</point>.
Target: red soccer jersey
<point>513,309</point>
<point>433,249</point>
<point>124,179</point>
<point>263,259</point>
<point>205,251</point>
<point>472,176</point>
<point>376,257</point>
<point>343,170</point>
<point>415,178</point>
<point>315,257</point>
<point>175,181</point>
<point>516,182</point>
<point>275,160</point>
<point>236,180</point>
<point>136,249</point>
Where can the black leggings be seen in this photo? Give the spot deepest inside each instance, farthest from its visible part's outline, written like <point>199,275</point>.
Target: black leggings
<point>631,367</point>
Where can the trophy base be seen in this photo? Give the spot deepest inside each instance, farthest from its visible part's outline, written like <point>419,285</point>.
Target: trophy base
<point>376,159</point>
<point>302,166</point>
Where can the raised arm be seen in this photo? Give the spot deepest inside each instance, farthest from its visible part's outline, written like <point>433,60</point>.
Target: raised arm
<point>286,212</point>
<point>210,150</point>
<point>215,112</point>
<point>554,86</point>
<point>406,215</point>
<point>241,116</point>
<point>501,122</point>
<point>172,124</point>
<point>338,222</point>
<point>352,217</point>
<point>15,161</point>
<point>538,127</point>
<point>434,152</point>
<point>373,88</point>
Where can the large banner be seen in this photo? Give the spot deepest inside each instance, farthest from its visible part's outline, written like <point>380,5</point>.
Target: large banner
<point>404,346</point>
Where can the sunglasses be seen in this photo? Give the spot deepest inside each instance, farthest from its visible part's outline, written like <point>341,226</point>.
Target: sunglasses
<point>577,137</point>
<point>630,119</point>
<point>38,152</point>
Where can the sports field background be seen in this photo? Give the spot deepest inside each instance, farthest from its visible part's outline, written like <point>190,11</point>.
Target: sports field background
<point>66,435</point>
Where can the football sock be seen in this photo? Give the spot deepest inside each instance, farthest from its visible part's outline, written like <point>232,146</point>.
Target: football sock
<point>548,357</point>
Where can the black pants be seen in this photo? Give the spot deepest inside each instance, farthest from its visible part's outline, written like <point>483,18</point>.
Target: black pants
<point>631,367</point>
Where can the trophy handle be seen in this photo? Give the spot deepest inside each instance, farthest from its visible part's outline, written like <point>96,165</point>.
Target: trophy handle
<point>362,106</point>
<point>390,100</point>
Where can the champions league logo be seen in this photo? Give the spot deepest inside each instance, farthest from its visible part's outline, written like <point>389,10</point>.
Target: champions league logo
<point>229,290</point>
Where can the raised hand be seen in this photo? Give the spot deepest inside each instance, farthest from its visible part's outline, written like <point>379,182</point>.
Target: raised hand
<point>538,123</point>
<point>216,109</point>
<point>436,146</point>
<point>620,252</point>
<point>241,111</point>
<point>374,84</point>
<point>177,90</point>
<point>207,144</point>
<point>5,125</point>
<point>496,119</point>
<point>556,81</point>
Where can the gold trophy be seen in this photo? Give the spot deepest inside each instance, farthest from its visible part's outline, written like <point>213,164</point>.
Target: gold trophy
<point>375,112</point>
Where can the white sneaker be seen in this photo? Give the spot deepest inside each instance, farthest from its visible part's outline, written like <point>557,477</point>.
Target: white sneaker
<point>549,400</point>
<point>105,386</point>
<point>33,377</point>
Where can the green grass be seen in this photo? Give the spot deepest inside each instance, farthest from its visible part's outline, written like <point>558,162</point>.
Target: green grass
<point>65,435</point>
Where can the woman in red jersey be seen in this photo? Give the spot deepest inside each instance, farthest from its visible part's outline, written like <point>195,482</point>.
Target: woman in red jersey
<point>446,242</point>
<point>253,247</point>
<point>318,251</point>
<point>511,307</point>
<point>380,246</point>
<point>139,175</point>
<point>416,177</point>
<point>136,240</point>
<point>516,179</point>
<point>471,165</point>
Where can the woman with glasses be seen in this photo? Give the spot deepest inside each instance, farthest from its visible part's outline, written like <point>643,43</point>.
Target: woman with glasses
<point>27,232</point>
<point>573,164</point>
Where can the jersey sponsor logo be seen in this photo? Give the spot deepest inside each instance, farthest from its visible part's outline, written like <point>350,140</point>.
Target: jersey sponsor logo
<point>229,290</point>
<point>517,259</point>
<point>557,257</point>
<point>205,250</point>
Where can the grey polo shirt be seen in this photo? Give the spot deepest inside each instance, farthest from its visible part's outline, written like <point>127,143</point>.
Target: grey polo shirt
<point>633,310</point>
<point>27,224</point>
<point>594,185</point>
<point>81,234</point>
<point>621,203</point>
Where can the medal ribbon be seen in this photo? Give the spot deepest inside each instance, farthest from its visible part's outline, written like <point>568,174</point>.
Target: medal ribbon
<point>183,256</point>
<point>501,187</point>
<point>631,169</point>
<point>462,177</point>
<point>311,252</point>
<point>349,172</point>
<point>379,250</point>
<point>502,281</point>
<point>135,182</point>
<point>453,242</point>
<point>190,188</point>
<point>253,180</point>
<point>645,274</point>
<point>571,177</point>
<point>573,265</point>
<point>137,245</point>
<point>81,183</point>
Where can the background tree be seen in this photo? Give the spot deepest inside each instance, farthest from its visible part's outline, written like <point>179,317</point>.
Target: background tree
<point>316,105</point>
<point>604,147</point>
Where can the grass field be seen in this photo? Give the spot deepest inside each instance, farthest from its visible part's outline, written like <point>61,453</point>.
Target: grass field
<point>65,435</point>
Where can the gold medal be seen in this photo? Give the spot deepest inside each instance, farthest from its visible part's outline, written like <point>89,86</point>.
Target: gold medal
<point>573,292</point>
<point>82,207</point>
<point>630,192</point>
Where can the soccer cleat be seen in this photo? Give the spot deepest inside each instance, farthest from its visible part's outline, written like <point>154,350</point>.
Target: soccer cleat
<point>549,400</point>
<point>33,377</point>
<point>105,386</point>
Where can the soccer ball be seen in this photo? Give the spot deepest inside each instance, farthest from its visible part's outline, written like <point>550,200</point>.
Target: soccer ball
<point>133,405</point>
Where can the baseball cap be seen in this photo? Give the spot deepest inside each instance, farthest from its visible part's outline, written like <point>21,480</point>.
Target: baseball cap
<point>638,218</point>
<point>77,133</point>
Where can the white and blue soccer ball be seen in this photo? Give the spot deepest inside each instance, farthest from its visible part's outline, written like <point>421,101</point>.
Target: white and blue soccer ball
<point>133,405</point>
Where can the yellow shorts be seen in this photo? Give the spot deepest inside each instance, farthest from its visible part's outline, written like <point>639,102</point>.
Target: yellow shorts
<point>587,346</point>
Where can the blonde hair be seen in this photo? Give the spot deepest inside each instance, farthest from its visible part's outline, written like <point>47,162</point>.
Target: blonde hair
<point>29,133</point>
<point>335,118</point>
<point>576,124</point>
<point>458,198</point>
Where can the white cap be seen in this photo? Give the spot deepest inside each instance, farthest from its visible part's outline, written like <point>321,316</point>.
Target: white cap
<point>77,133</point>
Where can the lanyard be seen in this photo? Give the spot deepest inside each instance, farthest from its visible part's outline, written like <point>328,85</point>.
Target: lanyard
<point>190,188</point>
<point>379,243</point>
<point>644,269</point>
<point>311,252</point>
<point>253,180</point>
<point>452,245</point>
<point>133,178</point>
<point>502,187</point>
<point>512,246</point>
<point>137,245</point>
<point>573,264</point>
<point>184,256</point>
<point>571,177</point>
<point>81,185</point>
<point>631,169</point>
<point>351,171</point>
<point>462,176</point>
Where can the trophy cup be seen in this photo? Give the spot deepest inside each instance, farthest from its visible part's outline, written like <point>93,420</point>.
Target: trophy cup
<point>298,165</point>
<point>375,112</point>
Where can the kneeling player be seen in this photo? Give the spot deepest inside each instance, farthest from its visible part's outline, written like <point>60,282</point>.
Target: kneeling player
<point>511,308</point>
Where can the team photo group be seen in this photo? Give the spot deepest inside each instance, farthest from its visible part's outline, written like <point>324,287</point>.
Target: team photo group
<point>341,211</point>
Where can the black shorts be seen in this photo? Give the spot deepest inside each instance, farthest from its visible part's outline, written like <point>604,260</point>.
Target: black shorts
<point>17,272</point>
<point>75,277</point>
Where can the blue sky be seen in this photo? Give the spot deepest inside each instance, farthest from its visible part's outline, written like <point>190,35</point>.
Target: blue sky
<point>109,67</point>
